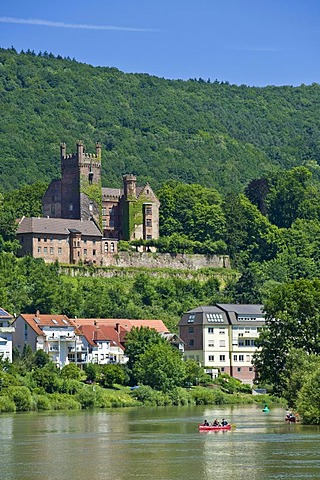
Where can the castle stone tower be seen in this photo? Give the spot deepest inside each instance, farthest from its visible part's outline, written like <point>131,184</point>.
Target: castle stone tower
<point>81,183</point>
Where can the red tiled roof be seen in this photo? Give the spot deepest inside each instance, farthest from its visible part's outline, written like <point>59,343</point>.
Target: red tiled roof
<point>37,321</point>
<point>94,333</point>
<point>125,323</point>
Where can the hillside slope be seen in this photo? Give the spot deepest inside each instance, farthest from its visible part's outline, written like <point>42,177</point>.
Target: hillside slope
<point>214,134</point>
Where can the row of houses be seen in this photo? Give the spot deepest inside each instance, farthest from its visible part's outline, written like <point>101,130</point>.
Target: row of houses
<point>221,338</point>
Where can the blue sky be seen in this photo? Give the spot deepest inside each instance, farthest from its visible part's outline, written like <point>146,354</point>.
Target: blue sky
<point>252,42</point>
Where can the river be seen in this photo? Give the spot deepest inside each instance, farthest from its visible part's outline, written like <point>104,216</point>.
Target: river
<point>157,443</point>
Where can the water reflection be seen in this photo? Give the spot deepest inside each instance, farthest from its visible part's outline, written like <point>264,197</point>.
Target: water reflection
<point>157,443</point>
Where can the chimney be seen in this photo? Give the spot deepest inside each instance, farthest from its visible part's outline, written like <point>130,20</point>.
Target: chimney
<point>98,150</point>
<point>80,149</point>
<point>38,314</point>
<point>118,327</point>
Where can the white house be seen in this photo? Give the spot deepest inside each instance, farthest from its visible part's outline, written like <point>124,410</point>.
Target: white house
<point>52,333</point>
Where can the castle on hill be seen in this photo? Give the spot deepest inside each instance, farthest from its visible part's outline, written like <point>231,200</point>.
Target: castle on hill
<point>83,221</point>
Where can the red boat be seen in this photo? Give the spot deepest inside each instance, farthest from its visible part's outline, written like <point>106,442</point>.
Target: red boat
<point>208,428</point>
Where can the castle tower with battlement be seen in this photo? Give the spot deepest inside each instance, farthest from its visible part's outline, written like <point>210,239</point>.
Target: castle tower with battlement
<point>78,194</point>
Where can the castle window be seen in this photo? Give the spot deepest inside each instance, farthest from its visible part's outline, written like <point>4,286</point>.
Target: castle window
<point>85,251</point>
<point>90,178</point>
<point>59,251</point>
<point>104,211</point>
<point>148,210</point>
<point>148,222</point>
<point>94,252</point>
<point>104,223</point>
<point>51,239</point>
<point>22,239</point>
<point>90,207</point>
<point>44,239</point>
<point>53,209</point>
<point>106,247</point>
<point>45,250</point>
<point>51,250</point>
<point>39,249</point>
<point>70,207</point>
<point>112,247</point>
<point>149,237</point>
<point>39,239</point>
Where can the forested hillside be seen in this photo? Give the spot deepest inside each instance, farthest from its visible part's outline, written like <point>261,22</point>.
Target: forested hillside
<point>214,134</point>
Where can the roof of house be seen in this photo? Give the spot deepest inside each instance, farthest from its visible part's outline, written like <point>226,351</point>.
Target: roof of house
<point>126,324</point>
<point>95,333</point>
<point>4,314</point>
<point>111,192</point>
<point>58,226</point>
<point>38,321</point>
<point>245,309</point>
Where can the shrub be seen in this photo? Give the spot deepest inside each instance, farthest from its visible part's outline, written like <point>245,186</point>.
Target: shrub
<point>63,401</point>
<point>179,396</point>
<point>42,402</point>
<point>21,397</point>
<point>87,397</point>
<point>6,404</point>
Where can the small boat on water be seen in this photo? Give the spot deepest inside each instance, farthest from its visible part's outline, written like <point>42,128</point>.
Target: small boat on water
<point>292,418</point>
<point>208,428</point>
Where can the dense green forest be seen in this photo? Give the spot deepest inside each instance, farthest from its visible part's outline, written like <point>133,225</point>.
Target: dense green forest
<point>210,133</point>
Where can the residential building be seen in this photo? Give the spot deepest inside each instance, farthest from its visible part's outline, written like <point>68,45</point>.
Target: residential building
<point>53,334</point>
<point>6,335</point>
<point>62,240</point>
<point>222,338</point>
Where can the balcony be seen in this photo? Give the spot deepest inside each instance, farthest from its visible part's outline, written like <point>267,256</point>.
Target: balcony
<point>7,329</point>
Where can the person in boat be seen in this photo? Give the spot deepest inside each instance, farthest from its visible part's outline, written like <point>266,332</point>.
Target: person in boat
<point>206,423</point>
<point>215,423</point>
<point>291,417</point>
<point>224,422</point>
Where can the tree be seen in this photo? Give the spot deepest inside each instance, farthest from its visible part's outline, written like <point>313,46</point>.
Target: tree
<point>111,374</point>
<point>292,321</point>
<point>137,341</point>
<point>308,403</point>
<point>161,367</point>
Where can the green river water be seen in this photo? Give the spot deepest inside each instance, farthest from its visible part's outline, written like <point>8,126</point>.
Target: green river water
<point>157,443</point>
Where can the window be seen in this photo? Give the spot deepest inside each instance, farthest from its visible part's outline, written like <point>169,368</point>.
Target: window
<point>247,358</point>
<point>148,210</point>
<point>191,342</point>
<point>39,249</point>
<point>210,330</point>
<point>51,238</point>
<point>104,223</point>
<point>211,343</point>
<point>191,330</point>
<point>104,211</point>
<point>222,358</point>
<point>240,343</point>
<point>222,331</point>
<point>59,251</point>
<point>235,358</point>
<point>250,369</point>
<point>85,251</point>
<point>211,358</point>
<point>222,369</point>
<point>93,242</point>
<point>44,238</point>
<point>149,237</point>
<point>53,210</point>
<point>94,252</point>
<point>111,247</point>
<point>70,207</point>
<point>90,207</point>
<point>39,239</point>
<point>239,369</point>
<point>45,249</point>
<point>191,318</point>
<point>222,343</point>
<point>106,247</point>
<point>241,358</point>
<point>148,222</point>
<point>51,250</point>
